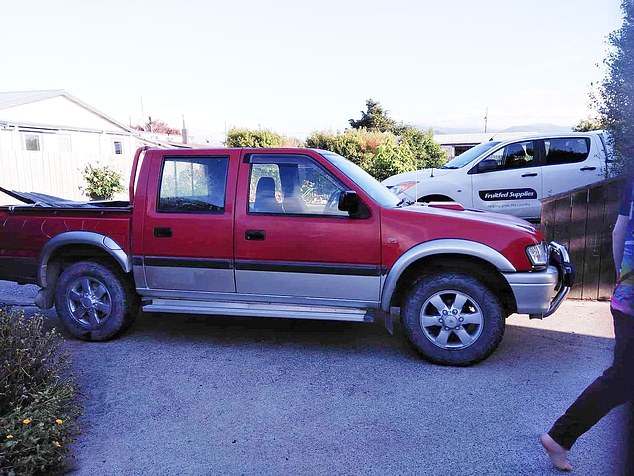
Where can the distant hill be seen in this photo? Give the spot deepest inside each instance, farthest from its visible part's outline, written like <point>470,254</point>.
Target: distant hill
<point>538,128</point>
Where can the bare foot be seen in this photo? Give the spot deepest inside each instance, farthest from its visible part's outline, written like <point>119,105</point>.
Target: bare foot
<point>557,453</point>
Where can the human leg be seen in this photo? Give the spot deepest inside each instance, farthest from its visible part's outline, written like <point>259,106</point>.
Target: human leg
<point>614,387</point>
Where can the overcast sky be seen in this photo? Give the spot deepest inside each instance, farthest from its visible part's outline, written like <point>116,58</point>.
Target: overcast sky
<point>296,66</point>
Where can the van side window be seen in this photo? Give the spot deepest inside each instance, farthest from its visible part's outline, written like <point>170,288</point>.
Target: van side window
<point>515,156</point>
<point>193,185</point>
<point>567,150</point>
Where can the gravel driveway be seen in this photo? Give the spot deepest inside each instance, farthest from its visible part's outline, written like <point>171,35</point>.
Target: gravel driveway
<point>208,395</point>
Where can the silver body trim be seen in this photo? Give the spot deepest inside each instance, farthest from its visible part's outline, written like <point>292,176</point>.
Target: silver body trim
<point>535,291</point>
<point>259,309</point>
<point>139,276</point>
<point>190,279</point>
<point>437,247</point>
<point>312,285</point>
<point>102,242</point>
<point>157,294</point>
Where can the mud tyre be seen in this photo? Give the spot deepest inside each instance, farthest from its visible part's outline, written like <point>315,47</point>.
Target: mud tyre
<point>94,302</point>
<point>452,319</point>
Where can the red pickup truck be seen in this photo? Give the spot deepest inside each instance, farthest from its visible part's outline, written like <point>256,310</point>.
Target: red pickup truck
<point>289,233</point>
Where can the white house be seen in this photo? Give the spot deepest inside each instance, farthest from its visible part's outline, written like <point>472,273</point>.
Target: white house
<point>48,137</point>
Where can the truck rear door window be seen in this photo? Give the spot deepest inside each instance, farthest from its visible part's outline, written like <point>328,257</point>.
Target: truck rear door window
<point>193,185</point>
<point>566,150</point>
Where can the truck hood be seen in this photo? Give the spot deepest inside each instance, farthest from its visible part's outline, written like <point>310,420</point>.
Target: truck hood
<point>471,215</point>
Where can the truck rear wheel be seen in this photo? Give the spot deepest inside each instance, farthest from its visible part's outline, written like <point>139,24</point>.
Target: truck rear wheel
<point>93,301</point>
<point>452,319</point>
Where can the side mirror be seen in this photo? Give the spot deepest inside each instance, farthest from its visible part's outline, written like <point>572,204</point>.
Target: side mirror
<point>487,165</point>
<point>349,201</point>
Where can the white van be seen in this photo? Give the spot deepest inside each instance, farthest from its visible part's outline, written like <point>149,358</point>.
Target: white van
<point>510,176</point>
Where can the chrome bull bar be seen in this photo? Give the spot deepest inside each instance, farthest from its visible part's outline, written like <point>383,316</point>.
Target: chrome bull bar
<point>560,258</point>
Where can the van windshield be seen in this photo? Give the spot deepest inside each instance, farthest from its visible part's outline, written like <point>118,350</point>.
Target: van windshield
<point>468,156</point>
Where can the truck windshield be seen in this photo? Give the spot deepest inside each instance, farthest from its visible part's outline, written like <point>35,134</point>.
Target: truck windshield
<point>467,156</point>
<point>364,180</point>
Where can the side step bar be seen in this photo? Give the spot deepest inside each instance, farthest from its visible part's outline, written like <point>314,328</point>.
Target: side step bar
<point>258,309</point>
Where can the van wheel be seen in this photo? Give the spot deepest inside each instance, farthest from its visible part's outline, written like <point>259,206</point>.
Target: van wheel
<point>93,302</point>
<point>452,319</point>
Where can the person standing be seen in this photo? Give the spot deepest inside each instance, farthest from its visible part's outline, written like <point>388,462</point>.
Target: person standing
<point>616,385</point>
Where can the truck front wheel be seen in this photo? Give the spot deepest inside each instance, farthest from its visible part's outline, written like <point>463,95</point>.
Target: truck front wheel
<point>92,301</point>
<point>452,319</point>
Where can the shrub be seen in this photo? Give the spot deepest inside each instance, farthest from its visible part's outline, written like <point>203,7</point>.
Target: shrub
<point>391,160</point>
<point>102,182</point>
<point>358,145</point>
<point>382,154</point>
<point>39,397</point>
<point>254,138</point>
<point>423,150</point>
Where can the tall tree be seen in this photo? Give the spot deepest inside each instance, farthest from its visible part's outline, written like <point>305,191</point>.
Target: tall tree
<point>615,100</point>
<point>375,118</point>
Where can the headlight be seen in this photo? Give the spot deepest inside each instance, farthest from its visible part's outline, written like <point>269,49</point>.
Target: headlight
<point>402,187</point>
<point>538,254</point>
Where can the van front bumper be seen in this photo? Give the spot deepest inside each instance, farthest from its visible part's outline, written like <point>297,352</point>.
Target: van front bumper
<point>540,293</point>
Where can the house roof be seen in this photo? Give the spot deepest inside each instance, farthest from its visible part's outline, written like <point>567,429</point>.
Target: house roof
<point>19,98</point>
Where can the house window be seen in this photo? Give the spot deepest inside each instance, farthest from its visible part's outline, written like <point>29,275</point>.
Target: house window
<point>31,142</point>
<point>118,147</point>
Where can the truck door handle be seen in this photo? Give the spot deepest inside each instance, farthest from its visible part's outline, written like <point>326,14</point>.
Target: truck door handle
<point>162,232</point>
<point>255,235</point>
<point>587,168</point>
<point>531,174</point>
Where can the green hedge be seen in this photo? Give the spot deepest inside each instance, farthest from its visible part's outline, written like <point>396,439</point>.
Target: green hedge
<point>40,401</point>
<point>382,154</point>
<point>238,137</point>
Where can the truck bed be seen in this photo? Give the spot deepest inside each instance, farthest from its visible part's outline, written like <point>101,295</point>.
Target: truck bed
<point>25,229</point>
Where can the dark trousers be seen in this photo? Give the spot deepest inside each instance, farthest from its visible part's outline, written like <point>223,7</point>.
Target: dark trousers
<point>613,388</point>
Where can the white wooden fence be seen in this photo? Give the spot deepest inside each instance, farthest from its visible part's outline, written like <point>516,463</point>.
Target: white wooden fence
<point>54,173</point>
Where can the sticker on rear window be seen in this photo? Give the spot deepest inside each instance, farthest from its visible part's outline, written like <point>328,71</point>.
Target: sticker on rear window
<point>508,194</point>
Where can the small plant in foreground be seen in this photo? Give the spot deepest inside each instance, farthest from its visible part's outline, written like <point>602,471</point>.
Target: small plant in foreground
<point>40,400</point>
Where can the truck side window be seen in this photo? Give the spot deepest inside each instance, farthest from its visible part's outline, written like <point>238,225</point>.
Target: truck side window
<point>293,186</point>
<point>193,185</point>
<point>567,150</point>
<point>514,156</point>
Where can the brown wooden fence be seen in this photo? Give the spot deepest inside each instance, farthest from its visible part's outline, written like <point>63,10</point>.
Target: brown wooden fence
<point>582,220</point>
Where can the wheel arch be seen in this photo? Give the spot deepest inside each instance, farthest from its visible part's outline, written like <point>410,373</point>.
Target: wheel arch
<point>473,258</point>
<point>435,197</point>
<point>76,246</point>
